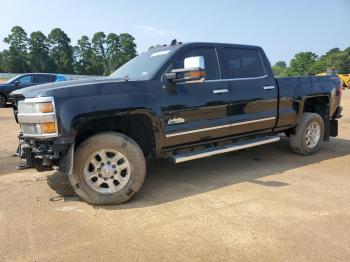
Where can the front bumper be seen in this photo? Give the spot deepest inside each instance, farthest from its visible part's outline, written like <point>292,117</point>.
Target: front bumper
<point>11,100</point>
<point>44,155</point>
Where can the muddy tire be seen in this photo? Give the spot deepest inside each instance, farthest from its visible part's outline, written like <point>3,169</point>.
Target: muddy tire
<point>3,101</point>
<point>109,168</point>
<point>309,134</point>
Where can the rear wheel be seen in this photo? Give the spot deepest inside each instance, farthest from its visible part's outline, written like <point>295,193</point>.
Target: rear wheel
<point>308,135</point>
<point>3,101</point>
<point>109,168</point>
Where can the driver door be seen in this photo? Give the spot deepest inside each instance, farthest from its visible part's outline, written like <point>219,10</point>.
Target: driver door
<point>196,110</point>
<point>23,81</point>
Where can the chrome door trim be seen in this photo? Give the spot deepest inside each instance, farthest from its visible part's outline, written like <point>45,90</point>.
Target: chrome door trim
<point>220,91</point>
<point>219,127</point>
<point>197,130</point>
<point>237,79</point>
<point>268,87</point>
<point>218,60</point>
<point>253,121</point>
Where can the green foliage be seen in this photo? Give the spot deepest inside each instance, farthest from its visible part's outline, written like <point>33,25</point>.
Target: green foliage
<point>307,63</point>
<point>39,53</point>
<point>99,45</point>
<point>61,52</point>
<point>114,52</point>
<point>84,57</point>
<point>127,47</point>
<point>106,53</point>
<point>302,64</point>
<point>334,61</point>
<point>2,62</point>
<point>280,69</point>
<point>55,54</point>
<point>17,56</point>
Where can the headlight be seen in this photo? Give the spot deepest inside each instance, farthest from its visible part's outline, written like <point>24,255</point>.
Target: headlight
<point>26,107</point>
<point>37,117</point>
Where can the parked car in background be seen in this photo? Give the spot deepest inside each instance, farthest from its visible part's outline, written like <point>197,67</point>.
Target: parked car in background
<point>26,80</point>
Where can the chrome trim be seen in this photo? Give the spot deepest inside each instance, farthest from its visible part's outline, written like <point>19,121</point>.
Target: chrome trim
<point>237,79</point>
<point>218,61</point>
<point>177,120</point>
<point>220,91</point>
<point>41,136</point>
<point>268,87</point>
<point>230,148</point>
<point>39,100</point>
<point>36,118</point>
<point>197,130</point>
<point>262,62</point>
<point>254,121</point>
<point>219,127</point>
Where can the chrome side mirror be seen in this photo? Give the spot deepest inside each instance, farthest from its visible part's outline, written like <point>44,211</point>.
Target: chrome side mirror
<point>194,62</point>
<point>194,69</point>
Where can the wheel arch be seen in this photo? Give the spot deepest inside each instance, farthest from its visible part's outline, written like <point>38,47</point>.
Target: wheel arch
<point>320,105</point>
<point>140,125</point>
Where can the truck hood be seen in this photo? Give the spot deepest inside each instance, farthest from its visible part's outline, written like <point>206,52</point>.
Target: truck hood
<point>65,88</point>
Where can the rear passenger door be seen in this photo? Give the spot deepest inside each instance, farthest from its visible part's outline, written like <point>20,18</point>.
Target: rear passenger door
<point>253,93</point>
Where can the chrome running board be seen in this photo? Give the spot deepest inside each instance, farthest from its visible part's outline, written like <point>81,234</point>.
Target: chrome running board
<point>179,158</point>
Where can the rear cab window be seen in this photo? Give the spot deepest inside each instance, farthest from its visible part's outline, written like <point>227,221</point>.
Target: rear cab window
<point>242,63</point>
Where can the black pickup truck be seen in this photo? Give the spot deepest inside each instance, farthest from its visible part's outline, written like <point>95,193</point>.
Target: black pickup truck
<point>181,102</point>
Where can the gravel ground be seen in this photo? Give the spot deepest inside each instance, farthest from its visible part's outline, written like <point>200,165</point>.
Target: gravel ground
<point>261,204</point>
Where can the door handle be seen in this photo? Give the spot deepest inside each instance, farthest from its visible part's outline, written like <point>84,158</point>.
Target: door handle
<point>268,87</point>
<point>220,91</point>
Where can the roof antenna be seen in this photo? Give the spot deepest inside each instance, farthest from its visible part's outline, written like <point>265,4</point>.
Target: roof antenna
<point>173,42</point>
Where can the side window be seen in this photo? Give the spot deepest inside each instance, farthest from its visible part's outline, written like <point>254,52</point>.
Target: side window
<point>25,79</point>
<point>42,79</point>
<point>210,61</point>
<point>242,63</point>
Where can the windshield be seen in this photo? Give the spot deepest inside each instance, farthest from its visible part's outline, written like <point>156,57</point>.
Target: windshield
<point>145,65</point>
<point>11,80</point>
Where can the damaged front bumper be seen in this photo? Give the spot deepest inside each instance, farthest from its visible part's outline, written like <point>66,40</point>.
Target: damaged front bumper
<point>40,144</point>
<point>44,155</point>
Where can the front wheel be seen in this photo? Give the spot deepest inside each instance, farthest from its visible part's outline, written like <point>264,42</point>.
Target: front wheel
<point>109,168</point>
<point>308,135</point>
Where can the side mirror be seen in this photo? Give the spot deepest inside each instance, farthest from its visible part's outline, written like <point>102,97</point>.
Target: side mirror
<point>194,69</point>
<point>16,83</point>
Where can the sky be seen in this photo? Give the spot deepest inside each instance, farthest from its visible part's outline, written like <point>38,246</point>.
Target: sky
<point>283,28</point>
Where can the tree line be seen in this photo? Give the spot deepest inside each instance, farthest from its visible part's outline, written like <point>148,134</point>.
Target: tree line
<point>102,55</point>
<point>307,63</point>
<point>54,53</point>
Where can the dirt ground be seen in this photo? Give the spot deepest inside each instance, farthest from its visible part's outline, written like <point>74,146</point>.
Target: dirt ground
<point>261,204</point>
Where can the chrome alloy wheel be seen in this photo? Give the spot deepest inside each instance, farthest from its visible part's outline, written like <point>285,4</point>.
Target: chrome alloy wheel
<point>313,134</point>
<point>107,171</point>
